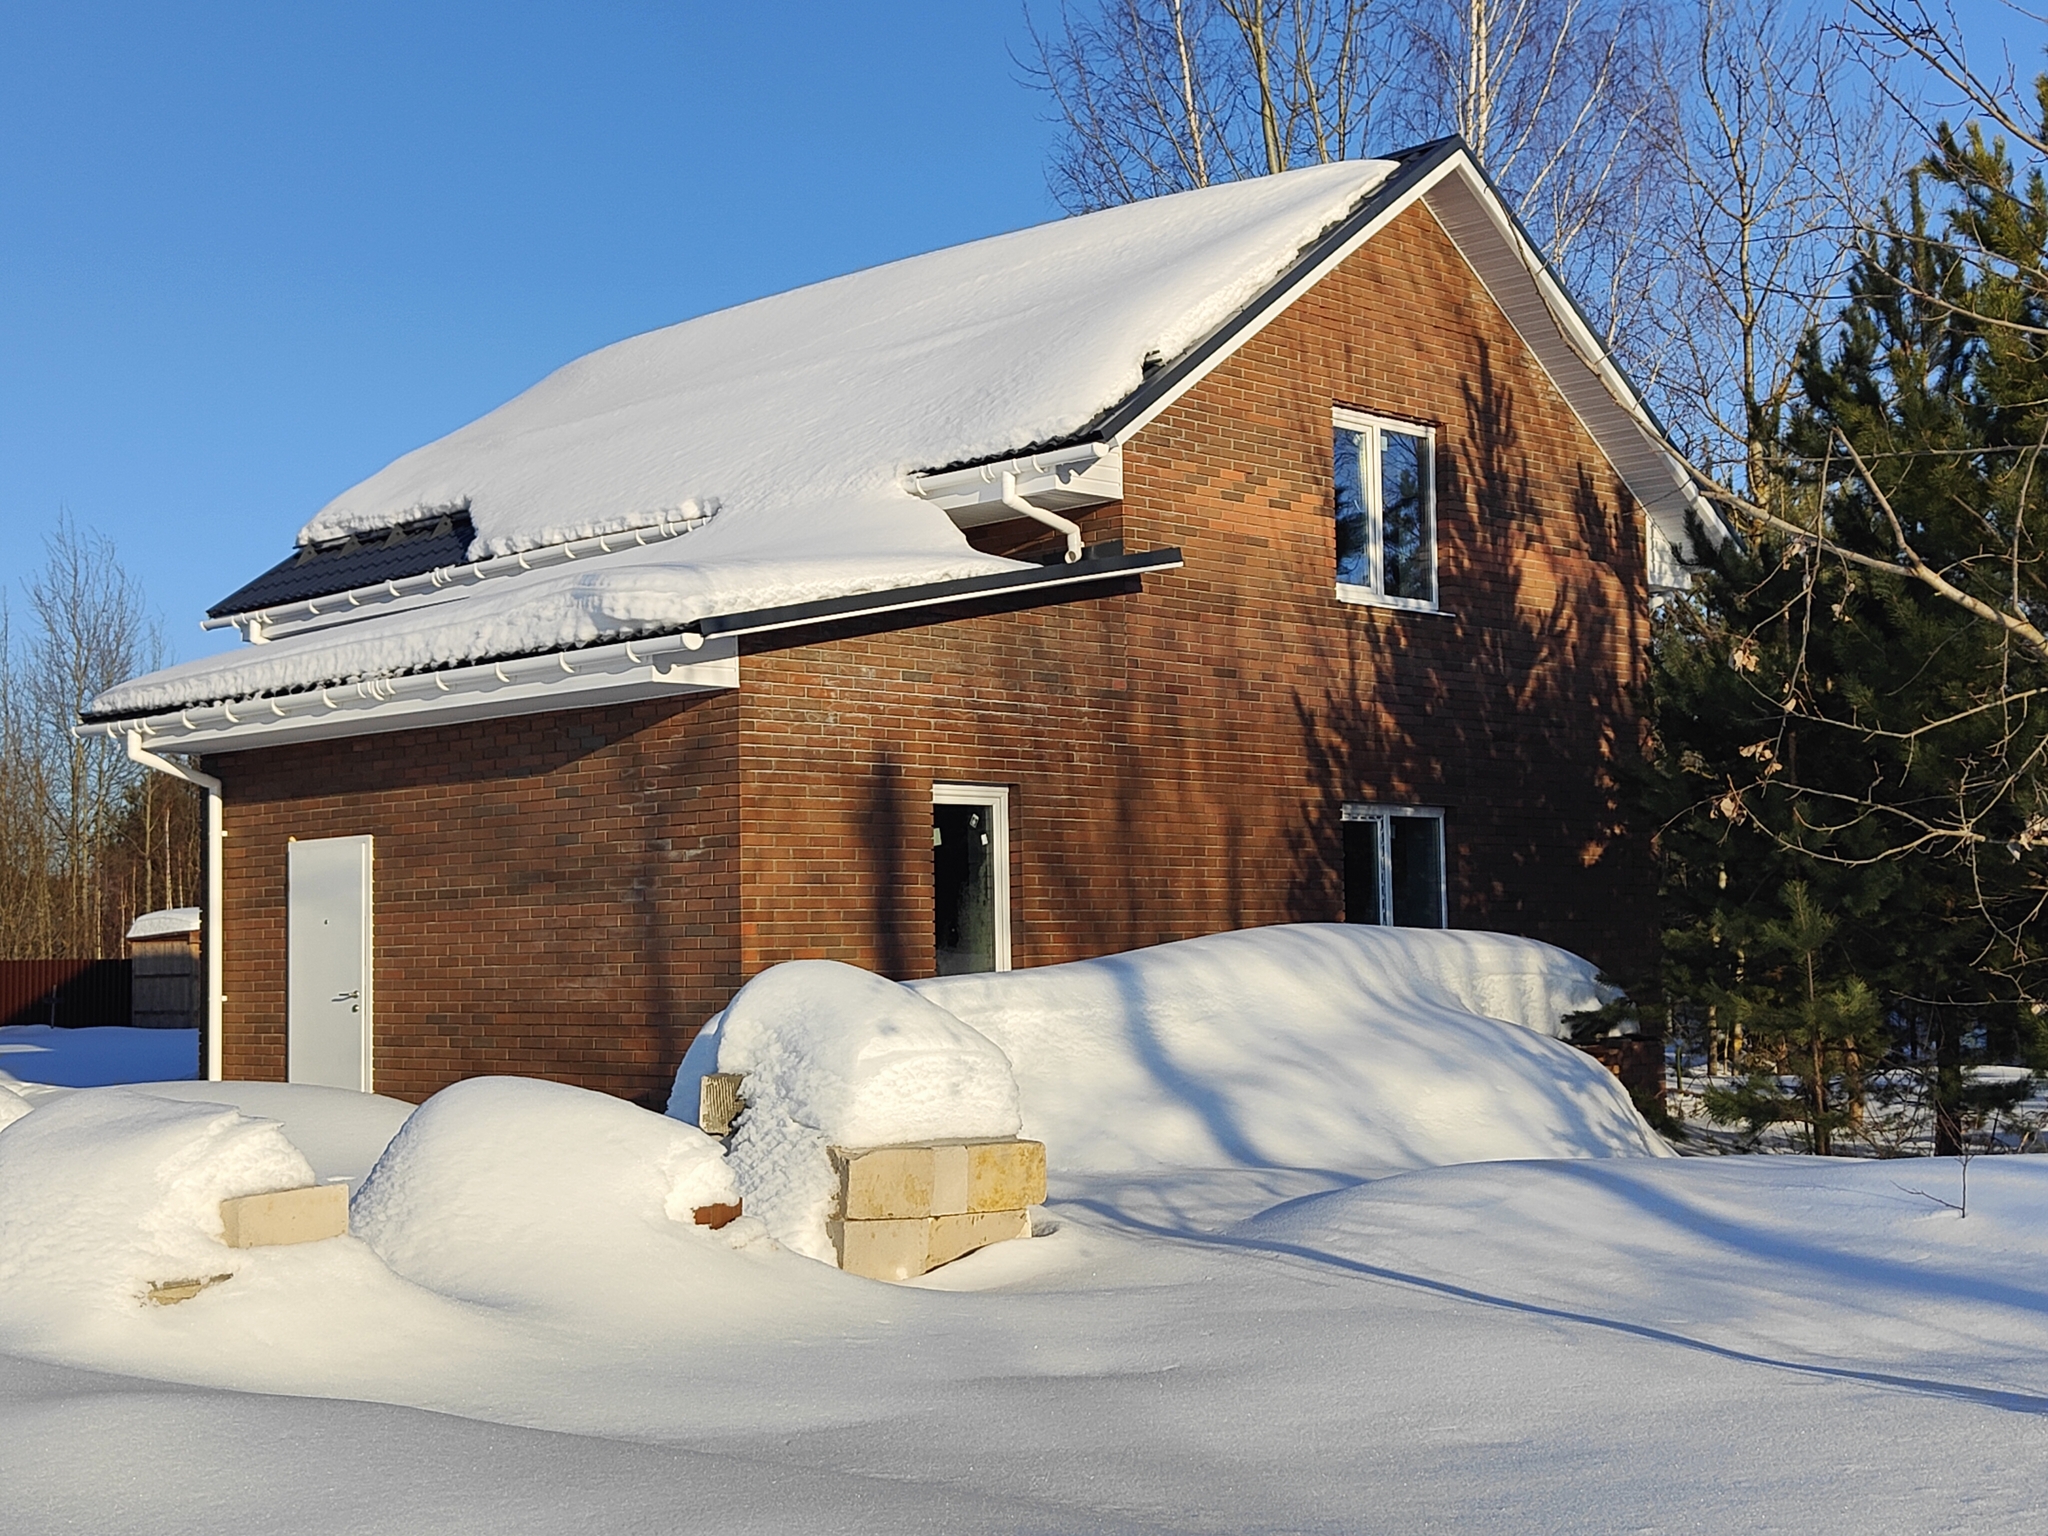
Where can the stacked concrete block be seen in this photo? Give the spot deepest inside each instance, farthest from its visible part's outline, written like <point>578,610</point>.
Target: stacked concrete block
<point>904,1210</point>
<point>720,1102</point>
<point>305,1215</point>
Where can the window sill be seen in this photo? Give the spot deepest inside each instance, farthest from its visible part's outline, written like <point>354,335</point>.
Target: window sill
<point>1365,598</point>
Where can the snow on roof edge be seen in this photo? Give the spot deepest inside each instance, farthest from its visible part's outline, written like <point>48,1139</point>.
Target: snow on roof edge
<point>167,923</point>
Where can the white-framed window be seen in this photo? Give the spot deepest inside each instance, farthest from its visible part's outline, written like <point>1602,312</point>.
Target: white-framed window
<point>1385,511</point>
<point>971,877</point>
<point>1394,865</point>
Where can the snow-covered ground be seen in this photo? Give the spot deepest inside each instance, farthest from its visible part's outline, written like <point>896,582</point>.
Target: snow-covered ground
<point>1591,1340</point>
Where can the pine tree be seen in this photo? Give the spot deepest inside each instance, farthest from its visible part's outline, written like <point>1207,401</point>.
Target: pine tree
<point>1837,737</point>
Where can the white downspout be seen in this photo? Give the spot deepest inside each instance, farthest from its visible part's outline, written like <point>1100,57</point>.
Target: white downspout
<point>1024,508</point>
<point>206,781</point>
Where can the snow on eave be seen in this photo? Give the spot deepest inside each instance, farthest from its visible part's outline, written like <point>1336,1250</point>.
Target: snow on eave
<point>170,922</point>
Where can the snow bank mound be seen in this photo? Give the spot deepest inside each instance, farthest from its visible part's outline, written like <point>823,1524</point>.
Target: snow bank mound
<point>513,1191</point>
<point>103,1191</point>
<point>1331,1046</point>
<point>835,1056</point>
<point>12,1106</point>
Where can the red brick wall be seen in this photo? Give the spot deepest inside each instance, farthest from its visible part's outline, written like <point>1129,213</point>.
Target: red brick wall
<point>1507,708</point>
<point>1179,760</point>
<point>553,894</point>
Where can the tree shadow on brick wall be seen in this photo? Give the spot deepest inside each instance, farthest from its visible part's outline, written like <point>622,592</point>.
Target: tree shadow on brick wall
<point>1507,710</point>
<point>886,831</point>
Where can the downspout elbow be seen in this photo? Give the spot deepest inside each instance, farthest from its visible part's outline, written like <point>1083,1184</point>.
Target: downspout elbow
<point>1052,520</point>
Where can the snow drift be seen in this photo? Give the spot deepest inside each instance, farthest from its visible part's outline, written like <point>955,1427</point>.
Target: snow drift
<point>836,1056</point>
<point>514,1191</point>
<point>1332,1046</point>
<point>104,1191</point>
<point>1347,1049</point>
<point>341,1132</point>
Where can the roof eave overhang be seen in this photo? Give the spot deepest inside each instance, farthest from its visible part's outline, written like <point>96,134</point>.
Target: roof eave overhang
<point>698,658</point>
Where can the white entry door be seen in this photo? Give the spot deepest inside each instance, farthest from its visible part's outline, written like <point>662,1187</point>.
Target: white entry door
<point>327,962</point>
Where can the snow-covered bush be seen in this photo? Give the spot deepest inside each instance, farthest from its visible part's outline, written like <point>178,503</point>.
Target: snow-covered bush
<point>510,1190</point>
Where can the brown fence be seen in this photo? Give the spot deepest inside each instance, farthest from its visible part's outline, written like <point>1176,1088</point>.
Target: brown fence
<point>71,994</point>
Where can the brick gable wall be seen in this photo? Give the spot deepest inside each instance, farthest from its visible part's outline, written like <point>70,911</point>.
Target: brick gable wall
<point>572,895</point>
<point>1179,760</point>
<point>1508,708</point>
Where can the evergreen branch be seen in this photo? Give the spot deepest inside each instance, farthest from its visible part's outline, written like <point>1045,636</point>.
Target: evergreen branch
<point>1908,563</point>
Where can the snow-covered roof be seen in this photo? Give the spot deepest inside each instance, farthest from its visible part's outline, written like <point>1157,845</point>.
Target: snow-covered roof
<point>798,416</point>
<point>168,923</point>
<point>795,421</point>
<point>767,455</point>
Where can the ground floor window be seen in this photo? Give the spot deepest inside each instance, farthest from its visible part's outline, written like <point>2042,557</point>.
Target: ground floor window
<point>1394,865</point>
<point>971,877</point>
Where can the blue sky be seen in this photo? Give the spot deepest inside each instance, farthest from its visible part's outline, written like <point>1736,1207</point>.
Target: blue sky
<point>250,254</point>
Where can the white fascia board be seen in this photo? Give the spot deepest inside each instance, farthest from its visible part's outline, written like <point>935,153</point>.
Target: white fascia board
<point>530,685</point>
<point>1304,280</point>
<point>1620,425</point>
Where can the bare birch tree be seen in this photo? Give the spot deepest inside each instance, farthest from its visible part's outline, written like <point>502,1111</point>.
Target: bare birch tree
<point>1559,100</point>
<point>1778,148</point>
<point>87,839</point>
<point>1157,96</point>
<point>1556,98</point>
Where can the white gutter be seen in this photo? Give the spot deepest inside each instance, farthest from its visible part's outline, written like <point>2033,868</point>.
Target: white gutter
<point>658,666</point>
<point>634,669</point>
<point>258,624</point>
<point>1053,520</point>
<point>1036,485</point>
<point>214,840</point>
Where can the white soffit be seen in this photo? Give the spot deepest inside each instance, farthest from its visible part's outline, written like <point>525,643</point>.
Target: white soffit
<point>1569,352</point>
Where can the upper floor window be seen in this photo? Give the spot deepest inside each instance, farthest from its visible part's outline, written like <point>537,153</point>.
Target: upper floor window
<point>1386,511</point>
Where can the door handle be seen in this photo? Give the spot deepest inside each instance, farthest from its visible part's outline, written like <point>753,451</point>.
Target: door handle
<point>343,997</point>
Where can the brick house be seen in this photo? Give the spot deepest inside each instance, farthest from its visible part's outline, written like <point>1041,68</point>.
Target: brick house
<point>1367,531</point>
